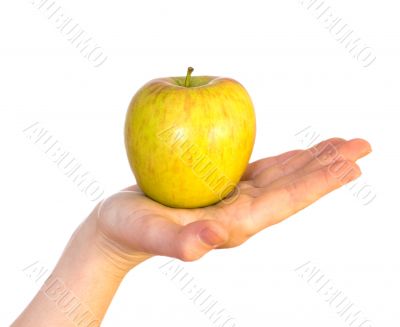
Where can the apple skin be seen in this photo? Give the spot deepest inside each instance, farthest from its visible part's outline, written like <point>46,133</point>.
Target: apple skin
<point>189,146</point>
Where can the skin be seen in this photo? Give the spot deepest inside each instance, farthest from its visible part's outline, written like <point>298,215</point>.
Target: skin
<point>128,228</point>
<point>196,139</point>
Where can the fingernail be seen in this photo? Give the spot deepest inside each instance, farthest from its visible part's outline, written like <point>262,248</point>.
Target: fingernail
<point>210,237</point>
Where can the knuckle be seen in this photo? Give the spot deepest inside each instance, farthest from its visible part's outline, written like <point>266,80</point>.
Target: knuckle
<point>246,228</point>
<point>292,189</point>
<point>351,172</point>
<point>342,171</point>
<point>327,176</point>
<point>284,168</point>
<point>335,140</point>
<point>186,254</point>
<point>328,154</point>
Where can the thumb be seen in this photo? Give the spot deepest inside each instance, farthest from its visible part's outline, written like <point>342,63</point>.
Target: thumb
<point>196,239</point>
<point>141,228</point>
<point>160,236</point>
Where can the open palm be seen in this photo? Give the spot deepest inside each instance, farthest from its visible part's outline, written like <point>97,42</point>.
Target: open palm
<point>271,190</point>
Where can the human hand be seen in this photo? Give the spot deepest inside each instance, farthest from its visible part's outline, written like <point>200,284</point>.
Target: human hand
<point>132,227</point>
<point>128,227</point>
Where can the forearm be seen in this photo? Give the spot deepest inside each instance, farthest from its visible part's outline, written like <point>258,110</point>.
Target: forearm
<point>82,285</point>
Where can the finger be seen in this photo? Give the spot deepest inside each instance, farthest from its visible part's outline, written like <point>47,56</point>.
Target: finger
<point>293,163</point>
<point>258,166</point>
<point>160,236</point>
<point>132,188</point>
<point>351,150</point>
<point>275,205</point>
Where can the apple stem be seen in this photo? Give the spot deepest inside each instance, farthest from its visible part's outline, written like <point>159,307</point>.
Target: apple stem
<point>188,75</point>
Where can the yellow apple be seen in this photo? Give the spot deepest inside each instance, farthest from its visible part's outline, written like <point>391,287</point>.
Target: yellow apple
<point>189,139</point>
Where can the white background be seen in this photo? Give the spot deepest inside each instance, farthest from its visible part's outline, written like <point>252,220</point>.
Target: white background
<point>298,76</point>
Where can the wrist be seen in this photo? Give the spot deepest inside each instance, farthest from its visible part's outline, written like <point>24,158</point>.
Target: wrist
<point>89,248</point>
<point>84,281</point>
<point>88,274</point>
